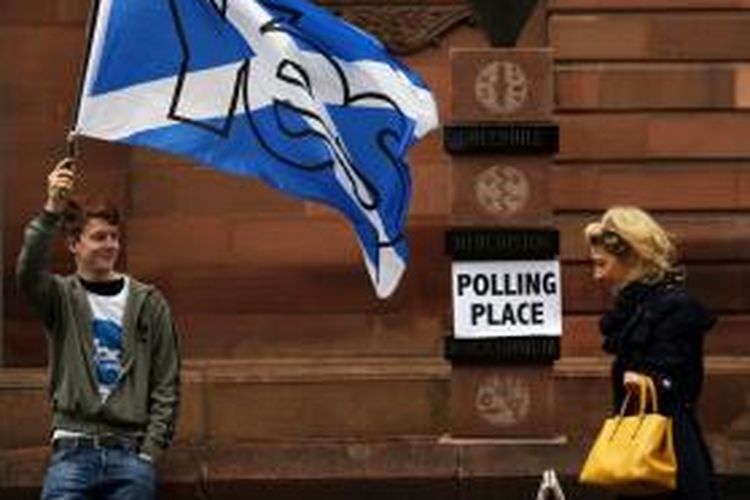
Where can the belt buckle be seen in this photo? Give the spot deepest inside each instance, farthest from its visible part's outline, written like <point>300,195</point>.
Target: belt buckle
<point>100,441</point>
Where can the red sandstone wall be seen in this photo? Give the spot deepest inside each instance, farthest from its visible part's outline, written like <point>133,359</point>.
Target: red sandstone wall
<point>651,101</point>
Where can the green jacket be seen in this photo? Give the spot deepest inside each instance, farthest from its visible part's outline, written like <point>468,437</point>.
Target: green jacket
<point>146,400</point>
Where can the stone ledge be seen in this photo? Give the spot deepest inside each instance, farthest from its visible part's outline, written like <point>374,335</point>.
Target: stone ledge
<point>230,401</point>
<point>353,460</point>
<point>272,369</point>
<point>598,366</point>
<point>317,369</point>
<point>404,458</point>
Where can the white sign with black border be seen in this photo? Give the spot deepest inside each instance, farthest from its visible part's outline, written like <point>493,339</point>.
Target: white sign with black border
<point>508,298</point>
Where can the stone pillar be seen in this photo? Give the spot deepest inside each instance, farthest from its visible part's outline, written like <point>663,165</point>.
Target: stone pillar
<point>506,281</point>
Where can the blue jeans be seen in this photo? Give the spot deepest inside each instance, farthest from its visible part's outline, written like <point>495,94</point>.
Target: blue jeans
<point>87,473</point>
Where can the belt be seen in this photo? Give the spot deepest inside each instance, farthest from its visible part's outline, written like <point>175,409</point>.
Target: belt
<point>103,441</point>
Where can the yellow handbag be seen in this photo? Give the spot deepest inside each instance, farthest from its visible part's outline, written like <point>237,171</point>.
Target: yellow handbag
<point>634,454</point>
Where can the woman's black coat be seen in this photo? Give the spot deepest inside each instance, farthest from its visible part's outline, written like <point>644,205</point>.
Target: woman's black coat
<point>657,329</point>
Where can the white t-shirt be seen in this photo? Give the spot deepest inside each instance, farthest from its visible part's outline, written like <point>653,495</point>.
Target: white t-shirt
<point>108,311</point>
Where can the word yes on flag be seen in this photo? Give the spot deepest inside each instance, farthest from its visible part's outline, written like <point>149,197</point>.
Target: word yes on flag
<point>280,90</point>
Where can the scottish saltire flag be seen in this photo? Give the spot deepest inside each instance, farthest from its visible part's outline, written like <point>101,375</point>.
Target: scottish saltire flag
<point>281,90</point>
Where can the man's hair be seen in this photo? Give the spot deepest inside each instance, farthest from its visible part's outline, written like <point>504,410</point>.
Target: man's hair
<point>77,214</point>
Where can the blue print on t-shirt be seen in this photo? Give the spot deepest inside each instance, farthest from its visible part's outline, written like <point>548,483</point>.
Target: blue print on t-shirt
<point>107,354</point>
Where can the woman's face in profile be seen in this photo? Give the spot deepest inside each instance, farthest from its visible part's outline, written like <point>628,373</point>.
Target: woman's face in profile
<point>608,269</point>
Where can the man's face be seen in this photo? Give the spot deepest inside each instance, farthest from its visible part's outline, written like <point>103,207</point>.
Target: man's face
<point>96,249</point>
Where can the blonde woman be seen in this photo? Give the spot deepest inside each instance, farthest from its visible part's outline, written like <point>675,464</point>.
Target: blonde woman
<point>655,328</point>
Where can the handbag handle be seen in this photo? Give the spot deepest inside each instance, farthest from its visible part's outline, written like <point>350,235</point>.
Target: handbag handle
<point>621,414</point>
<point>646,394</point>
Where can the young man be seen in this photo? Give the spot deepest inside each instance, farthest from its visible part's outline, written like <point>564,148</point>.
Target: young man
<point>114,360</point>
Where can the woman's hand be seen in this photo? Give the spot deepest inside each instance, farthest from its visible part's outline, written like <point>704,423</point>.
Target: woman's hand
<point>632,381</point>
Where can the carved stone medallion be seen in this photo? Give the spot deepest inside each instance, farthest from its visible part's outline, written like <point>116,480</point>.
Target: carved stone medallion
<point>503,401</point>
<point>501,87</point>
<point>502,190</point>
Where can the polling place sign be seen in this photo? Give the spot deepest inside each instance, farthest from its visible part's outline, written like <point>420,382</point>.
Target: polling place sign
<point>506,298</point>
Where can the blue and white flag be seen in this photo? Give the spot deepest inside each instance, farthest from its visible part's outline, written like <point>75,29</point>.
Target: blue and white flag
<point>280,89</point>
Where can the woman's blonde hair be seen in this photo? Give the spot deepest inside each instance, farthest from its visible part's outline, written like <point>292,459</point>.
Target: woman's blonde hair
<point>631,232</point>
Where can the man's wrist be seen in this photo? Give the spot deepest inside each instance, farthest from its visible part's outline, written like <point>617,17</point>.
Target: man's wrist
<point>50,219</point>
<point>53,208</point>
